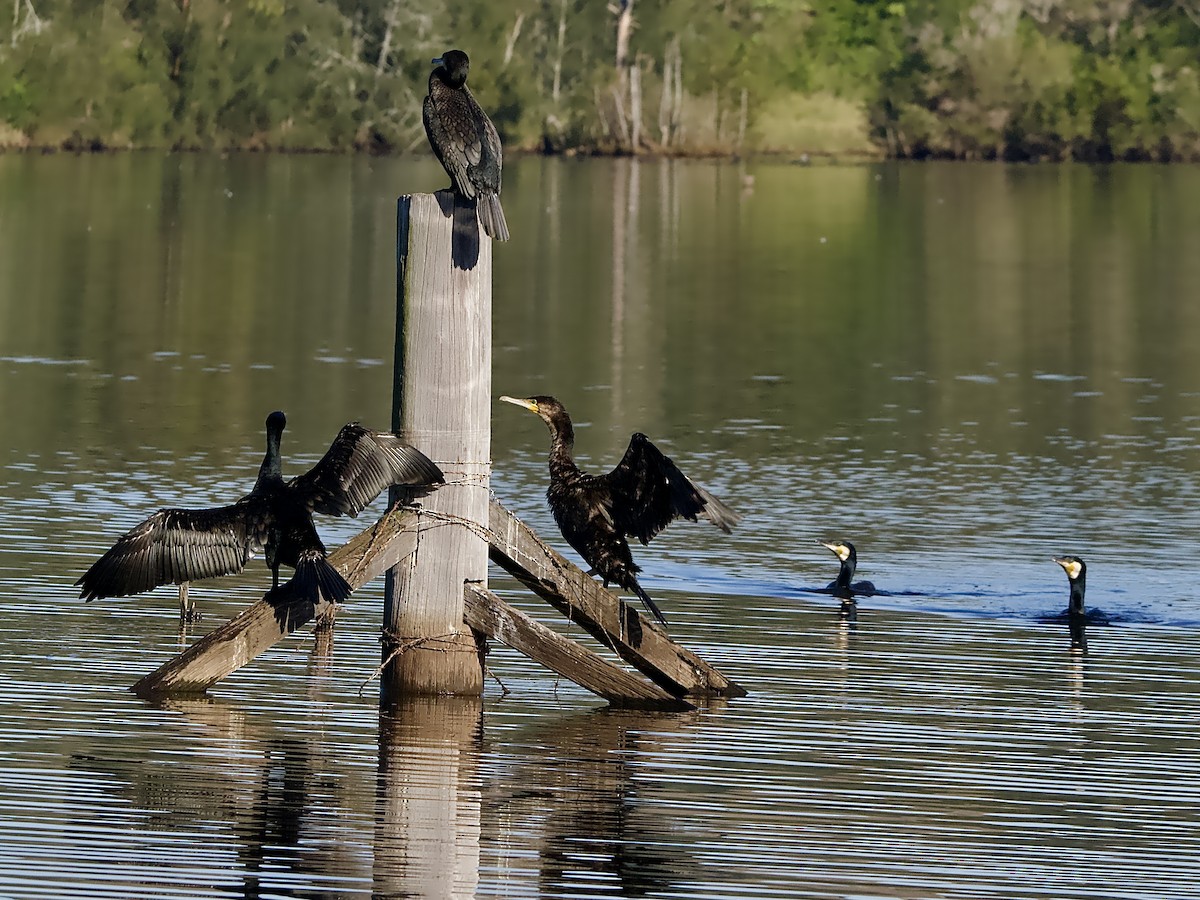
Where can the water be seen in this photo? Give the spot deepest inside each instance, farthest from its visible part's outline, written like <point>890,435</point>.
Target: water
<point>963,369</point>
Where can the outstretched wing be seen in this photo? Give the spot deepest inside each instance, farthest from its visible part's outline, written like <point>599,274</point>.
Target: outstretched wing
<point>177,545</point>
<point>357,467</point>
<point>649,492</point>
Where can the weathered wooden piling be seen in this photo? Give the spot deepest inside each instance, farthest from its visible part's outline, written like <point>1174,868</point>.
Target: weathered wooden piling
<point>442,404</point>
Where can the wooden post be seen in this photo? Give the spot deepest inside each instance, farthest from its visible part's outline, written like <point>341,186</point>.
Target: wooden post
<point>442,405</point>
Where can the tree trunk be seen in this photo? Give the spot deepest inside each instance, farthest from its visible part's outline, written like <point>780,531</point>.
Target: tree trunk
<point>624,32</point>
<point>635,108</point>
<point>512,39</point>
<point>558,57</point>
<point>389,25</point>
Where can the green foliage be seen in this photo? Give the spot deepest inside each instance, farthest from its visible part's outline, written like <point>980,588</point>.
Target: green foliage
<point>966,78</point>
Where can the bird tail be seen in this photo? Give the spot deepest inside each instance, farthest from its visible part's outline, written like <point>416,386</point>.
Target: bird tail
<point>464,233</point>
<point>491,215</point>
<point>314,580</point>
<point>645,598</point>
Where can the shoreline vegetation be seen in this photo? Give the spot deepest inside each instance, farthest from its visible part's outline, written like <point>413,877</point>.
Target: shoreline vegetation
<point>1016,80</point>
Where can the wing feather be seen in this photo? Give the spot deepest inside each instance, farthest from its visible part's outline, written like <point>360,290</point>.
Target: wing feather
<point>649,492</point>
<point>358,466</point>
<point>456,146</point>
<point>174,546</point>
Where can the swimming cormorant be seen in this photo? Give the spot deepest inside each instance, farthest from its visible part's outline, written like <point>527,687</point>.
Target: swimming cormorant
<point>465,143</point>
<point>1076,613</point>
<point>175,546</point>
<point>841,587</point>
<point>844,551</point>
<point>639,498</point>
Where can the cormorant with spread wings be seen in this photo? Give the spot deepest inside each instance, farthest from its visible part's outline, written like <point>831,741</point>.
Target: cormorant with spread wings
<point>639,498</point>
<point>176,546</point>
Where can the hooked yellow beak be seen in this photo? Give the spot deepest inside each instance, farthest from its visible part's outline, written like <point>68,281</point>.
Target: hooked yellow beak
<point>516,401</point>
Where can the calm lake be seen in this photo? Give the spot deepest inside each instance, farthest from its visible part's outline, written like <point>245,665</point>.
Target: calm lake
<point>963,369</point>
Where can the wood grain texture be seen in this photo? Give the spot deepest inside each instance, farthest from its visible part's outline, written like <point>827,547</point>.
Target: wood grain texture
<point>600,612</point>
<point>488,613</point>
<point>442,406</point>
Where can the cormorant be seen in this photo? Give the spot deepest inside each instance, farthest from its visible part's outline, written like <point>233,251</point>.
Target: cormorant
<point>841,587</point>
<point>639,498</point>
<point>175,546</point>
<point>844,551</point>
<point>1076,613</point>
<point>466,144</point>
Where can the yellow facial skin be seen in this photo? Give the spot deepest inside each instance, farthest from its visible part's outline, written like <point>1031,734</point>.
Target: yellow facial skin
<point>1071,567</point>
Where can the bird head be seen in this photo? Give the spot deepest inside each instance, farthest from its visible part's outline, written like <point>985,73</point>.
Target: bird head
<point>548,409</point>
<point>455,64</point>
<point>1073,566</point>
<point>843,550</point>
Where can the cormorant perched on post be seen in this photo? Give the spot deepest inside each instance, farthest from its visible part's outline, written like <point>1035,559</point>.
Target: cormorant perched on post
<point>468,147</point>
<point>1076,613</point>
<point>841,587</point>
<point>639,498</point>
<point>175,546</point>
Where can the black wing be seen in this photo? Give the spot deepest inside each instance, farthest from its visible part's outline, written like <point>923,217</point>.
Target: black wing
<point>488,170</point>
<point>356,469</point>
<point>451,130</point>
<point>177,545</point>
<point>649,492</point>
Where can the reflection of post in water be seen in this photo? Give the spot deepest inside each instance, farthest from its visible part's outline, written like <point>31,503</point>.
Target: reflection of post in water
<point>320,660</point>
<point>427,802</point>
<point>592,828</point>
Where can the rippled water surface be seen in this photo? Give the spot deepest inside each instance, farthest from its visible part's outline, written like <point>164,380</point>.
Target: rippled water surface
<point>963,369</point>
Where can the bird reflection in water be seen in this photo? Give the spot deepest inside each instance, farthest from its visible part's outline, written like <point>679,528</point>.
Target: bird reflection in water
<point>589,802</point>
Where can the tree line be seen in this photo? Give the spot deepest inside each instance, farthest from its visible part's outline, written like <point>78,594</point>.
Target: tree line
<point>1008,79</point>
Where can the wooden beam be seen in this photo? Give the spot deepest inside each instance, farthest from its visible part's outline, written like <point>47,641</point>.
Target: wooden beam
<point>617,625</point>
<point>489,614</point>
<point>225,650</point>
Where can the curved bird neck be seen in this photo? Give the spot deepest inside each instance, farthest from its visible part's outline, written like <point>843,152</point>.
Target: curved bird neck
<point>562,448</point>
<point>846,573</point>
<point>272,465</point>
<point>1076,603</point>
